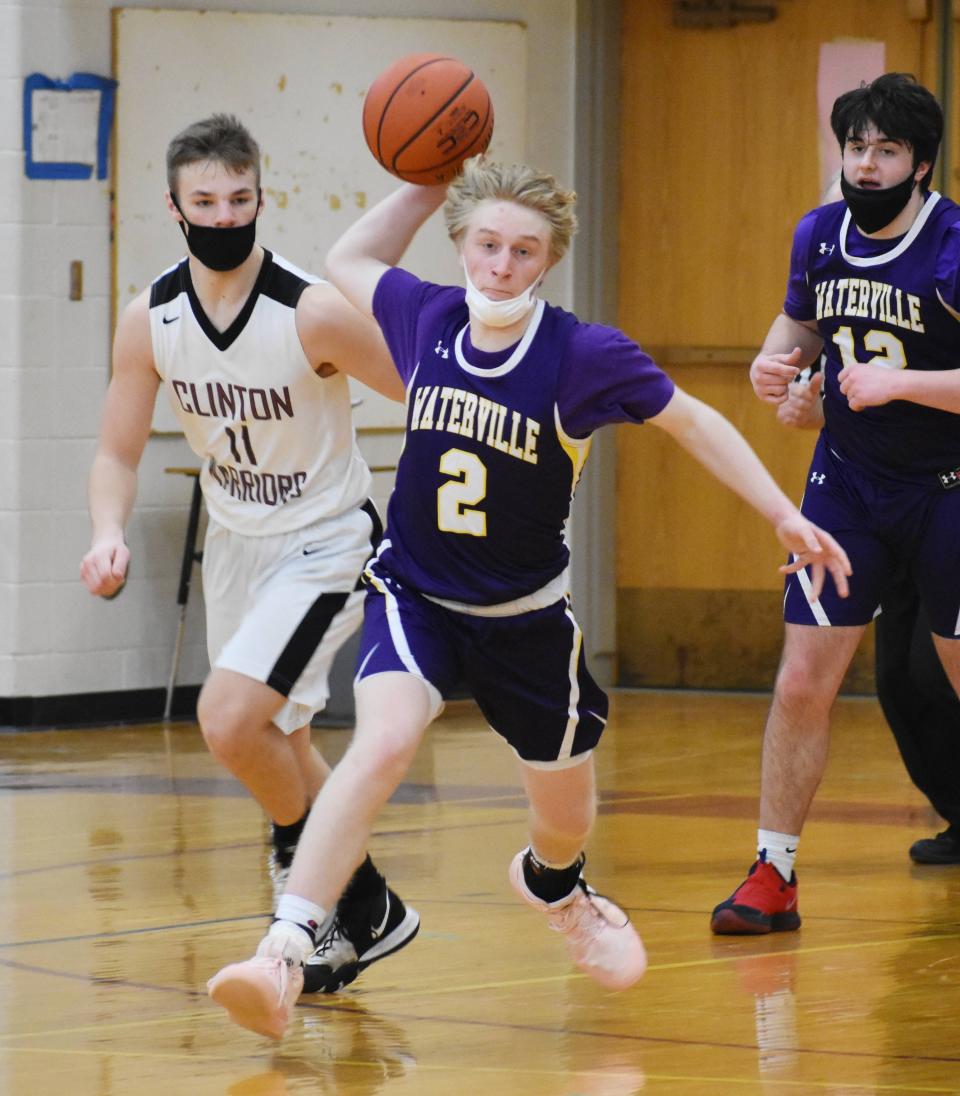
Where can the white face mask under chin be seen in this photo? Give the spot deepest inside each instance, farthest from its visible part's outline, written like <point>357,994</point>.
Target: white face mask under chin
<point>499,313</point>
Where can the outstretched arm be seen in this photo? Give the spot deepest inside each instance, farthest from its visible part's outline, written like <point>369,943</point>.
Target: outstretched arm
<point>789,347</point>
<point>357,261</point>
<point>124,429</point>
<point>720,448</point>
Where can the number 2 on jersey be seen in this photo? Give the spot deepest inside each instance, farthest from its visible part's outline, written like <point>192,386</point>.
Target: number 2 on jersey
<point>457,497</point>
<point>887,349</point>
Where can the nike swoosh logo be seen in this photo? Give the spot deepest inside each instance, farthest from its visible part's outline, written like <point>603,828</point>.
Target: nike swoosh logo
<point>171,319</point>
<point>789,850</point>
<point>312,549</point>
<point>377,932</point>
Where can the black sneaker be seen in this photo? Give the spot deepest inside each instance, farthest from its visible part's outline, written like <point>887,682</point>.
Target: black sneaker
<point>942,849</point>
<point>361,932</point>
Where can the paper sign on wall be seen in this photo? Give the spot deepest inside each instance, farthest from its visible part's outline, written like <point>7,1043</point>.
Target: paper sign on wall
<point>66,126</point>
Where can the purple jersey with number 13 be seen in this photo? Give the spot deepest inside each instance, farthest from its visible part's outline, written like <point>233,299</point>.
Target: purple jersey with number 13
<point>495,443</point>
<point>890,303</point>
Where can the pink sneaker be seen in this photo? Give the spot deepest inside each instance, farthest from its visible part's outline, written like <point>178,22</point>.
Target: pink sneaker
<point>598,934</point>
<point>259,994</point>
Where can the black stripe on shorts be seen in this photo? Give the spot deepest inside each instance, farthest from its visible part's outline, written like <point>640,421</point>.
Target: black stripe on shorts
<point>304,641</point>
<point>317,619</point>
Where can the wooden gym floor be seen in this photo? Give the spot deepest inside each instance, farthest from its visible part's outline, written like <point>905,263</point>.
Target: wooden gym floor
<point>132,869</point>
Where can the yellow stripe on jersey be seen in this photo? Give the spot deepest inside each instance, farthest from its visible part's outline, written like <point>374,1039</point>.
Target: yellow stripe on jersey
<point>577,449</point>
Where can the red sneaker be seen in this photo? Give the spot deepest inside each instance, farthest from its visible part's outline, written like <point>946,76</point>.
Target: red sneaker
<point>762,903</point>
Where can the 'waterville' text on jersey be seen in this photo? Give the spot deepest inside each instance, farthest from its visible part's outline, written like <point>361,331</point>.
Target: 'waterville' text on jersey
<point>863,297</point>
<point>442,407</point>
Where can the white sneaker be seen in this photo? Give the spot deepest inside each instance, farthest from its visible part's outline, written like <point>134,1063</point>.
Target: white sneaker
<point>259,994</point>
<point>598,934</point>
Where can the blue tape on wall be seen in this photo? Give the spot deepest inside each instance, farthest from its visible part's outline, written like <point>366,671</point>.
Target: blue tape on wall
<point>79,81</point>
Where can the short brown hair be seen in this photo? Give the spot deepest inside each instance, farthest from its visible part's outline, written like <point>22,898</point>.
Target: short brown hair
<point>221,137</point>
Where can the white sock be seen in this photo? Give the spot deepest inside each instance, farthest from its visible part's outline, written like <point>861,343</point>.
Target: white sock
<point>287,941</point>
<point>301,911</point>
<point>780,849</point>
<point>295,930</point>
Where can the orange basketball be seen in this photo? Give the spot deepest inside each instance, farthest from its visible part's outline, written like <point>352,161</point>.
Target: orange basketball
<point>425,115</point>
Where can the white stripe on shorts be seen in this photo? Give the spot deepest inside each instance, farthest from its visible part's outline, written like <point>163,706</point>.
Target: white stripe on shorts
<point>956,627</point>
<point>819,615</point>
<point>395,625</point>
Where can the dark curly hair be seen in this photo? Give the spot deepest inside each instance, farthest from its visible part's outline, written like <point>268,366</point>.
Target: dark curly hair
<point>897,106</point>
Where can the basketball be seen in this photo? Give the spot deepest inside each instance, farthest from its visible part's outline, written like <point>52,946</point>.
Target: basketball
<point>425,115</point>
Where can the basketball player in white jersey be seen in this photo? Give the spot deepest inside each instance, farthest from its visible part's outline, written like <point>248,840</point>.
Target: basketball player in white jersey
<point>253,355</point>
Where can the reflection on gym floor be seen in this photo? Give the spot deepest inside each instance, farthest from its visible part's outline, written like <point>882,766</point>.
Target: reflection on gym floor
<point>133,868</point>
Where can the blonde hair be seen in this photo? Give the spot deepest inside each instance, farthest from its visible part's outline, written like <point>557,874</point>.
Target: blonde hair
<point>482,180</point>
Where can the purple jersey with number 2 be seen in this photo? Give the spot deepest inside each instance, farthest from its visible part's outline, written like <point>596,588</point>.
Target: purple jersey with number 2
<point>495,443</point>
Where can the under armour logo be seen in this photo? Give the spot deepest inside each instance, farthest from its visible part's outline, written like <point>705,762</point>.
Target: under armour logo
<point>950,478</point>
<point>441,349</point>
<point>817,477</point>
<point>825,248</point>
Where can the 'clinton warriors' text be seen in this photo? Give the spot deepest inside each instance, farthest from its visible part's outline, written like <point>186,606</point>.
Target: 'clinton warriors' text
<point>237,404</point>
<point>265,487</point>
<point>440,407</point>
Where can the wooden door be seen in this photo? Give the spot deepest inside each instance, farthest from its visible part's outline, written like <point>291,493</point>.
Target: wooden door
<point>719,160</point>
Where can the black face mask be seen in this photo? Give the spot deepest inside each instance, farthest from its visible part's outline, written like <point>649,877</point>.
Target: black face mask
<point>220,249</point>
<point>872,210</point>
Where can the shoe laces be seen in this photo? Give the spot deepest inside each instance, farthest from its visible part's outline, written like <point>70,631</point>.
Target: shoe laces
<point>581,918</point>
<point>333,937</point>
<point>274,965</point>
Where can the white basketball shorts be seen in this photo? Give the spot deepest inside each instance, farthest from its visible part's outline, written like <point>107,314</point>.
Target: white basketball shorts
<point>280,607</point>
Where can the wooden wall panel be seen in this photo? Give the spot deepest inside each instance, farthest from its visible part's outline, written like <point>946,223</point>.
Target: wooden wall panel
<point>719,160</point>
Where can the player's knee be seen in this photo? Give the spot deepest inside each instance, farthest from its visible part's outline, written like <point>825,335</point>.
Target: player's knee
<point>386,754</point>
<point>223,729</point>
<point>800,688</point>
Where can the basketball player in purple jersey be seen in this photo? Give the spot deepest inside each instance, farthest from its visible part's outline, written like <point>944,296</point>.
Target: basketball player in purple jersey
<point>253,355</point>
<point>915,694</point>
<point>874,286</point>
<point>471,579</point>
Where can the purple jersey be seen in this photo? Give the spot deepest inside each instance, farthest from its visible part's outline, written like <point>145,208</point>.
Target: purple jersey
<point>495,443</point>
<point>891,303</point>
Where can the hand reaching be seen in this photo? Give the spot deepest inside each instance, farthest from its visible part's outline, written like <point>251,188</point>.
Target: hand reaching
<point>814,548</point>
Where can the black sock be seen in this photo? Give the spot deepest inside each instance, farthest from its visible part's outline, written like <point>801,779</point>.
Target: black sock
<point>365,883</point>
<point>550,884</point>
<point>284,837</point>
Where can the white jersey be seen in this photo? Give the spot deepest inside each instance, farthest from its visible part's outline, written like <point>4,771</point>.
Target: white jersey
<point>276,440</point>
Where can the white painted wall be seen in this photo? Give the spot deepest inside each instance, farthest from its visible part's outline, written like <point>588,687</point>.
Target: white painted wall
<point>55,639</point>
